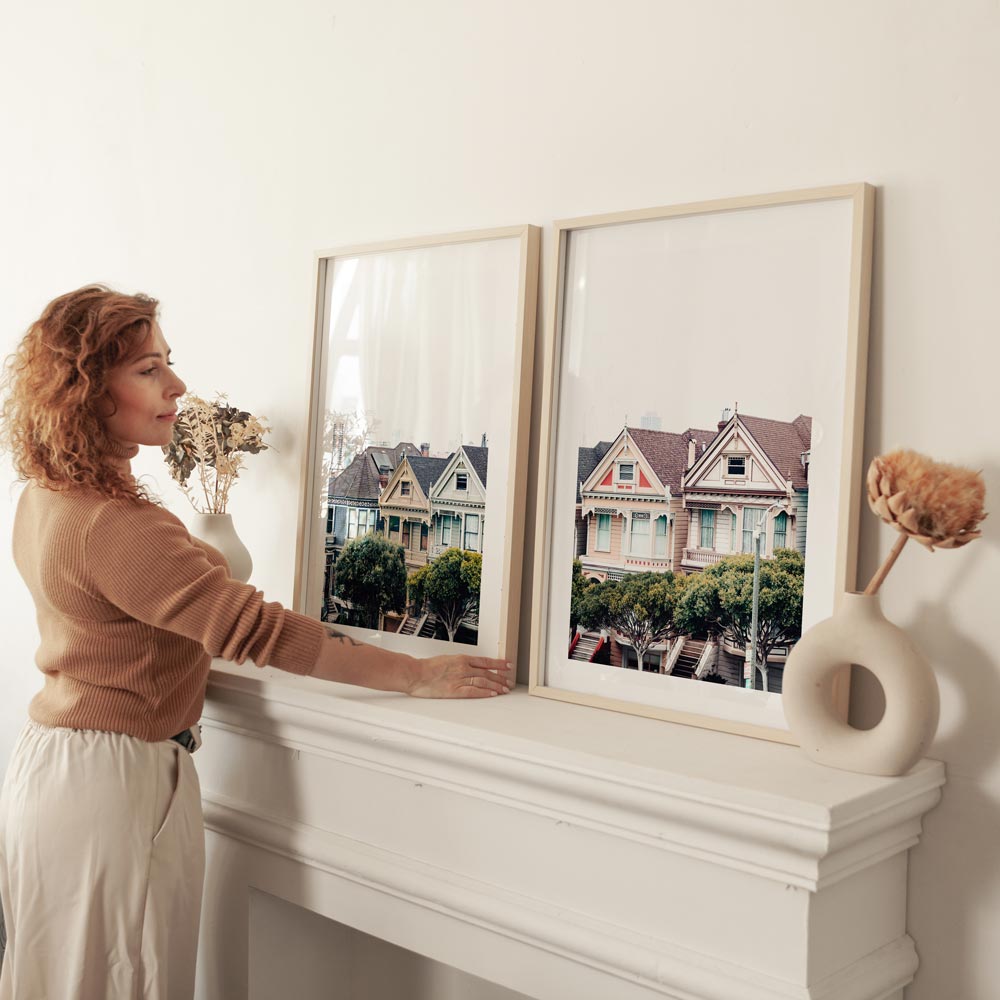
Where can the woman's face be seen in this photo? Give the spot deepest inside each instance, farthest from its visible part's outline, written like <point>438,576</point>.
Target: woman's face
<point>144,391</point>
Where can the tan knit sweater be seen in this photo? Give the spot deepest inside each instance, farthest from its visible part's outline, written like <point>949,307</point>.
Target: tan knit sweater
<point>131,609</point>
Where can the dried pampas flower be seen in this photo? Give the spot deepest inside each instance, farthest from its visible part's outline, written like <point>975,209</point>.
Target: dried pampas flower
<point>938,505</point>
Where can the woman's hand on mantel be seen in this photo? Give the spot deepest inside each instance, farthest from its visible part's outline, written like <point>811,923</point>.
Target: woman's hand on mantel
<point>460,676</point>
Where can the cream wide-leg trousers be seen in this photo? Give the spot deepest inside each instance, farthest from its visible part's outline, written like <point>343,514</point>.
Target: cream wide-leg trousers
<point>102,860</point>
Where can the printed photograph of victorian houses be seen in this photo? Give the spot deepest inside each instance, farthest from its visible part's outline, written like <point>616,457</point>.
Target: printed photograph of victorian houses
<point>672,529</point>
<point>404,541</point>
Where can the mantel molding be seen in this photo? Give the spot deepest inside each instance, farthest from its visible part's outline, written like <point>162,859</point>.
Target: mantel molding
<point>654,966</point>
<point>835,826</point>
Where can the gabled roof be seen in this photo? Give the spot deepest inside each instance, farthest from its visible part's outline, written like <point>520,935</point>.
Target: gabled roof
<point>427,470</point>
<point>360,480</point>
<point>478,459</point>
<point>667,453</point>
<point>586,462</point>
<point>783,442</point>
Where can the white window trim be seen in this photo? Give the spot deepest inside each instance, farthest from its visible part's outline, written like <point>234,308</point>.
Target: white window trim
<point>745,474</point>
<point>631,549</point>
<point>465,532</point>
<point>657,536</point>
<point>774,533</point>
<point>701,529</point>
<point>597,533</point>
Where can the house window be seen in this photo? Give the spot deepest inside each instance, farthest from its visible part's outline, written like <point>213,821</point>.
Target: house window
<point>393,525</point>
<point>733,537</point>
<point>603,532</point>
<point>406,534</point>
<point>461,480</point>
<point>626,472</point>
<point>329,520</point>
<point>650,661</point>
<point>707,540</point>
<point>404,488</point>
<point>661,536</point>
<point>750,515</point>
<point>780,530</point>
<point>446,529</point>
<point>423,537</point>
<point>639,539</point>
<point>471,532</point>
<point>736,465</point>
<point>361,522</point>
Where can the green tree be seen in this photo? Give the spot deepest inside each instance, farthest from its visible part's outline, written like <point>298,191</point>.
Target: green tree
<point>581,586</point>
<point>449,587</point>
<point>371,574</point>
<point>640,608</point>
<point>719,600</point>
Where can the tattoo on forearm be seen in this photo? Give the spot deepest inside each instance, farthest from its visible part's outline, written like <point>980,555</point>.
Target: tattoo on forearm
<point>342,638</point>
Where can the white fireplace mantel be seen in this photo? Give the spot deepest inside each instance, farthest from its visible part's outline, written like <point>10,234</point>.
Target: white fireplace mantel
<point>559,851</point>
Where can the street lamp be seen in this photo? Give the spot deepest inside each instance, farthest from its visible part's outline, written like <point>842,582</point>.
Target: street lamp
<point>758,532</point>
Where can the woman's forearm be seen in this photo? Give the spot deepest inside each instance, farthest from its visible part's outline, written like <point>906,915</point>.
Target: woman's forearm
<point>349,661</point>
<point>454,675</point>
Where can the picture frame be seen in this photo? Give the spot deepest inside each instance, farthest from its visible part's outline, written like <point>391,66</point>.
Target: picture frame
<point>746,316</point>
<point>428,341</point>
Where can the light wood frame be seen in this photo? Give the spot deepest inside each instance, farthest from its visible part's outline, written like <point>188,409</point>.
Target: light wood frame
<point>523,346</point>
<point>862,199</point>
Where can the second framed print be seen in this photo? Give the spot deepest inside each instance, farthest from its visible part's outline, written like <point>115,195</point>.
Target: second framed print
<point>411,529</point>
<point>699,481</point>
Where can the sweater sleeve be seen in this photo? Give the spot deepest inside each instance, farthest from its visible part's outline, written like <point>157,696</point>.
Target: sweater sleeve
<point>142,559</point>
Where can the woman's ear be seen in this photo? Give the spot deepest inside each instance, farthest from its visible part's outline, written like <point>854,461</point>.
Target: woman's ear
<point>105,406</point>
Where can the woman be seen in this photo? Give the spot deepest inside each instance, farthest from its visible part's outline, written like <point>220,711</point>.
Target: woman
<point>101,836</point>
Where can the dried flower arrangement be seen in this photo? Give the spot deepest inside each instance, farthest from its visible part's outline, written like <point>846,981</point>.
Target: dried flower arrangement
<point>209,437</point>
<point>936,504</point>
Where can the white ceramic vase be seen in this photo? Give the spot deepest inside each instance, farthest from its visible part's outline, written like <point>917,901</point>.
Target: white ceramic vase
<point>218,531</point>
<point>859,633</point>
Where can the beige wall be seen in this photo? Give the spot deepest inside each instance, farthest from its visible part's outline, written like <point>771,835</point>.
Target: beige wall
<point>203,152</point>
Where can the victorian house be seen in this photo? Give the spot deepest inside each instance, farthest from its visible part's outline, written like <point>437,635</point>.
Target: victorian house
<point>754,468</point>
<point>352,506</point>
<point>353,496</point>
<point>406,506</point>
<point>458,502</point>
<point>631,504</point>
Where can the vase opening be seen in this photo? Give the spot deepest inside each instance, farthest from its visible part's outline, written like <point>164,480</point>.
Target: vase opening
<point>867,699</point>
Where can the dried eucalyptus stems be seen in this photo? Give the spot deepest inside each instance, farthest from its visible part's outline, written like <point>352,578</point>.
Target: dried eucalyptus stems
<point>209,438</point>
<point>936,504</point>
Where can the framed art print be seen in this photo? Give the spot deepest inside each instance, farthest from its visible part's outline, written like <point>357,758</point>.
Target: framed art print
<point>699,481</point>
<point>411,528</point>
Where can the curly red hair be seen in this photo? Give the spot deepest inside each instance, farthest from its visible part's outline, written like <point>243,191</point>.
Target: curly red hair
<point>56,381</point>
